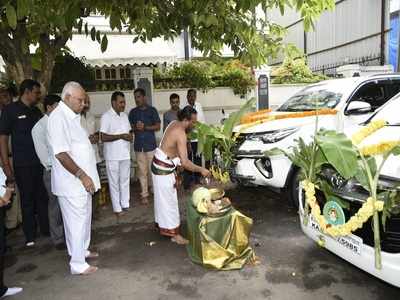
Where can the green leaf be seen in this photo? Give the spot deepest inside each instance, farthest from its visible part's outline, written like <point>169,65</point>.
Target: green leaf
<point>339,152</point>
<point>115,21</point>
<point>22,9</point>
<point>395,150</point>
<point>79,25</point>
<point>104,43</point>
<point>361,174</point>
<point>36,62</point>
<point>11,16</point>
<point>234,118</point>
<point>274,152</point>
<point>98,37</point>
<point>93,34</point>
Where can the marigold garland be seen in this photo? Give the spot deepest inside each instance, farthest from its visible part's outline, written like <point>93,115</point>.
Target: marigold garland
<point>253,116</point>
<point>364,213</point>
<point>366,131</point>
<point>262,119</point>
<point>378,149</point>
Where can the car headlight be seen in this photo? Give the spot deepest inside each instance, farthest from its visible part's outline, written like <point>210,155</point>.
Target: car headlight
<point>270,137</point>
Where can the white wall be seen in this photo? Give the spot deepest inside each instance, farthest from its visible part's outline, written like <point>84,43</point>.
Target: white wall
<point>212,101</point>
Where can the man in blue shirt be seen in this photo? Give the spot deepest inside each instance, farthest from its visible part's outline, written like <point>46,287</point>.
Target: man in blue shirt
<point>145,121</point>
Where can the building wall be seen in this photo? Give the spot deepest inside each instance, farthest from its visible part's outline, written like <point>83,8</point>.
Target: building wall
<point>212,101</point>
<point>349,34</point>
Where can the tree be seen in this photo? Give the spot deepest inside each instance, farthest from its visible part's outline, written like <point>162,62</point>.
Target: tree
<point>46,26</point>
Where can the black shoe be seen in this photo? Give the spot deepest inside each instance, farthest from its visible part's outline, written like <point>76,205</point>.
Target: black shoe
<point>125,209</point>
<point>61,246</point>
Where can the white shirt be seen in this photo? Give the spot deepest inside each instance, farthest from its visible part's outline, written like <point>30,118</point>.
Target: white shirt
<point>200,113</point>
<point>66,134</point>
<point>88,123</point>
<point>41,142</point>
<point>112,123</point>
<point>3,179</point>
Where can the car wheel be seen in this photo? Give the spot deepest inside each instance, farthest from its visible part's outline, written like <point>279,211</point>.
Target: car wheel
<point>293,189</point>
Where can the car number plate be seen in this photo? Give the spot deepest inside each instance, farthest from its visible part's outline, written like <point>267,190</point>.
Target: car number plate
<point>350,242</point>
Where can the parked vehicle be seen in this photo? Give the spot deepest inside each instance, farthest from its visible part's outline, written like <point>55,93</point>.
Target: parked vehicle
<point>358,248</point>
<point>355,100</point>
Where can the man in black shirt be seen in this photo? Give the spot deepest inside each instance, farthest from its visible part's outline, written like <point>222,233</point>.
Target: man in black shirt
<point>17,121</point>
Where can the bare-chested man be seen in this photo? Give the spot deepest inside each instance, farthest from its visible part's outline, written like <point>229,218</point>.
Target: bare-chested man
<point>172,153</point>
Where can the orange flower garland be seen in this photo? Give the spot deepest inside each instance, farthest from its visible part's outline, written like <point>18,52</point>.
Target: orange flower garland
<point>256,120</point>
<point>255,116</point>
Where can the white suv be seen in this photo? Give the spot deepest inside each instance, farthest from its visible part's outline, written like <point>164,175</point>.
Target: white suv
<point>355,100</point>
<point>358,248</point>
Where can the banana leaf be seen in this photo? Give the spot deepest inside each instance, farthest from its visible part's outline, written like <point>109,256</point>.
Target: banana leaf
<point>234,118</point>
<point>339,152</point>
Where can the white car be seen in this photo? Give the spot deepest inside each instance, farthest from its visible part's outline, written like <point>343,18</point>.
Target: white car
<point>358,248</point>
<point>355,100</point>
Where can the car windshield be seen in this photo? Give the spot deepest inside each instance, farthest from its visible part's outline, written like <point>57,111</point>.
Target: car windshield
<point>321,96</point>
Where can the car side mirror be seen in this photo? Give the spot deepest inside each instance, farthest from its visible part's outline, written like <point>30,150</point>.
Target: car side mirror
<point>358,108</point>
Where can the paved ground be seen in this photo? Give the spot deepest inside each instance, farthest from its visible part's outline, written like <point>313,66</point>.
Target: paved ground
<point>292,266</point>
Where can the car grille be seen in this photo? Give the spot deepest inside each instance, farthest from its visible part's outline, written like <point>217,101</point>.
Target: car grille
<point>239,141</point>
<point>390,237</point>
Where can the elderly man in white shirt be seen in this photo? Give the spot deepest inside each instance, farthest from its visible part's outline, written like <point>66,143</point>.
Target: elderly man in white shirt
<point>116,135</point>
<point>43,151</point>
<point>74,176</point>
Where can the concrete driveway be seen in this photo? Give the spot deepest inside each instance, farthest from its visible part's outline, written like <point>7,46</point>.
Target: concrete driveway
<point>292,267</point>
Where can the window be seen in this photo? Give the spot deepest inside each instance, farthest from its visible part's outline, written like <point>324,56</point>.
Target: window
<point>98,73</point>
<point>373,93</point>
<point>122,73</point>
<point>107,73</point>
<point>321,96</point>
<point>113,74</point>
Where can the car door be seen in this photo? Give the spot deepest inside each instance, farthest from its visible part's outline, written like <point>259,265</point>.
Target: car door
<point>373,93</point>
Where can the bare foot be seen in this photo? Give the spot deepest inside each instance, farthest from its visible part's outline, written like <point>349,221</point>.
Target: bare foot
<point>89,270</point>
<point>93,254</point>
<point>180,240</point>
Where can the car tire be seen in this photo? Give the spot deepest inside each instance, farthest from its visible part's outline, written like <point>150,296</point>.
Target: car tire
<point>292,190</point>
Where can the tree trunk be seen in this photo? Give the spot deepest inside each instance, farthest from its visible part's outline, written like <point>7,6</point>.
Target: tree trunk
<point>18,60</point>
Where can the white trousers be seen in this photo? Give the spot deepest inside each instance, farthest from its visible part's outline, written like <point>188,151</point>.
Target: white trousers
<point>119,175</point>
<point>77,217</point>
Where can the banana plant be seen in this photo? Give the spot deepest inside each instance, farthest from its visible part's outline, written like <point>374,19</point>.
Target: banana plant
<point>220,138</point>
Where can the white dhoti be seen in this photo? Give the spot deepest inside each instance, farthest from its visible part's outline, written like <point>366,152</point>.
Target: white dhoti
<point>119,174</point>
<point>77,217</point>
<point>166,210</point>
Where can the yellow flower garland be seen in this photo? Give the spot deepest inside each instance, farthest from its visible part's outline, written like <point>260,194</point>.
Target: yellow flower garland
<point>364,213</point>
<point>366,131</point>
<point>378,149</point>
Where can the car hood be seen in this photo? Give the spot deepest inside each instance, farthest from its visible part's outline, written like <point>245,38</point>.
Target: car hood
<point>283,123</point>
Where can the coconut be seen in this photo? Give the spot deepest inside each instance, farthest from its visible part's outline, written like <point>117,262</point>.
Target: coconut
<point>201,194</point>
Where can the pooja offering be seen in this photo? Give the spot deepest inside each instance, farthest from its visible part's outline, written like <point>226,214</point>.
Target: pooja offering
<point>218,234</point>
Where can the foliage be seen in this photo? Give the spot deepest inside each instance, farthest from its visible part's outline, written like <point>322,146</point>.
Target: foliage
<point>48,24</point>
<point>211,137</point>
<point>206,74</point>
<point>69,68</point>
<point>294,69</point>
